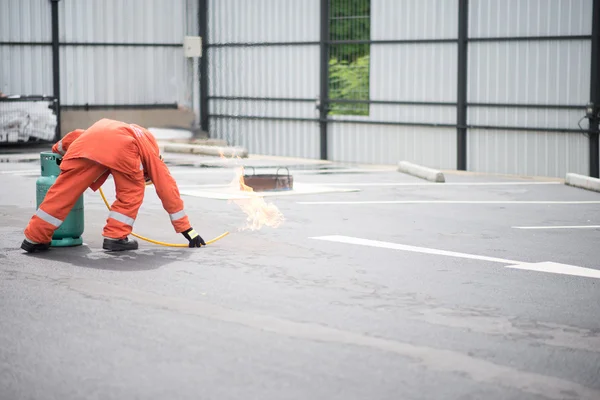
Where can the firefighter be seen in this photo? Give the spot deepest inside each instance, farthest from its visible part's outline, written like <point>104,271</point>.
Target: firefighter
<point>131,155</point>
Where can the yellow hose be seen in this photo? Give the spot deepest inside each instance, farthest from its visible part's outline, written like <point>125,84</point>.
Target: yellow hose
<point>156,241</point>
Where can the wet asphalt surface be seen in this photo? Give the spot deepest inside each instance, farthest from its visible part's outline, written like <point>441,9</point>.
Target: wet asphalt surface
<point>277,314</point>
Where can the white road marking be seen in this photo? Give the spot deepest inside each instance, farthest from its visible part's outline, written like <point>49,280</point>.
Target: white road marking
<point>391,184</point>
<point>447,202</point>
<point>549,267</point>
<point>383,184</point>
<point>228,192</point>
<point>415,249</point>
<point>559,227</point>
<point>207,185</point>
<point>230,169</point>
<point>21,172</point>
<point>556,268</point>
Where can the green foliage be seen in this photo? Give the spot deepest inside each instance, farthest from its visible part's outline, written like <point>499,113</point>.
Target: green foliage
<point>349,81</point>
<point>350,20</point>
<point>349,63</point>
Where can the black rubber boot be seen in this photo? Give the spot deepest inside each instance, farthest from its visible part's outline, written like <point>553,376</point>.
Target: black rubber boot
<point>31,247</point>
<point>119,244</point>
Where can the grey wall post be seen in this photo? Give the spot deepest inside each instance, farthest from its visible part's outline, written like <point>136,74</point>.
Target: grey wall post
<point>461,92</point>
<point>595,92</point>
<point>203,32</point>
<point>324,77</point>
<point>56,65</point>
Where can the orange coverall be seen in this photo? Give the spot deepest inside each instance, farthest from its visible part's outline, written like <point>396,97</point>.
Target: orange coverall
<point>128,152</point>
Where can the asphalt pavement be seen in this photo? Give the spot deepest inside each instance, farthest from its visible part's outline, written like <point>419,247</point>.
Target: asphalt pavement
<point>484,287</point>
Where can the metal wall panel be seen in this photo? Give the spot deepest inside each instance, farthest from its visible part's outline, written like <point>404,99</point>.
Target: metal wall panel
<point>528,72</point>
<point>414,19</point>
<point>191,15</point>
<point>25,21</point>
<point>291,109</point>
<point>265,71</point>
<point>497,18</point>
<point>411,113</point>
<point>526,117</point>
<point>282,138</point>
<point>26,70</point>
<point>234,21</point>
<point>405,113</point>
<point>123,75</point>
<point>528,153</point>
<point>415,72</point>
<point>547,72</point>
<point>272,71</point>
<point>131,21</point>
<point>384,144</point>
<point>287,72</point>
<point>126,74</point>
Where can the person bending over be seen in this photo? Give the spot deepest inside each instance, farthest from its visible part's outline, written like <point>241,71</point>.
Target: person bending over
<point>131,155</point>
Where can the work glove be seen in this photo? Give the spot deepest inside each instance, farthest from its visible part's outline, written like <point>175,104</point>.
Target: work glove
<point>192,236</point>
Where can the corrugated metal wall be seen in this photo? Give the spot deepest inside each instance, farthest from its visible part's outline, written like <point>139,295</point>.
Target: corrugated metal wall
<point>541,72</point>
<point>96,74</point>
<point>414,19</point>
<point>25,70</point>
<point>126,74</point>
<point>385,144</point>
<point>274,71</point>
<point>528,153</point>
<point>529,73</point>
<point>506,18</point>
<point>419,72</point>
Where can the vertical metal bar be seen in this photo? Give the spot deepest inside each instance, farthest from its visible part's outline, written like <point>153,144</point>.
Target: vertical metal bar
<point>461,92</point>
<point>56,65</point>
<point>595,92</point>
<point>324,77</point>
<point>203,32</point>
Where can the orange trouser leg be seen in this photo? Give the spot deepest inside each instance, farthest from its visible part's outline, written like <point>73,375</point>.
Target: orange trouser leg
<point>123,212</point>
<point>75,177</point>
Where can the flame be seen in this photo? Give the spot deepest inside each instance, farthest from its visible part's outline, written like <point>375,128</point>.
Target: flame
<point>258,212</point>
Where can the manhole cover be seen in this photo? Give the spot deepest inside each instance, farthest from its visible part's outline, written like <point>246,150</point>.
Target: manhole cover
<point>269,182</point>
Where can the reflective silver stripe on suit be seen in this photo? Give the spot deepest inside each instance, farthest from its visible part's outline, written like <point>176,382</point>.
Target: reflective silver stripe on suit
<point>60,148</point>
<point>48,218</point>
<point>121,218</point>
<point>141,166</point>
<point>177,215</point>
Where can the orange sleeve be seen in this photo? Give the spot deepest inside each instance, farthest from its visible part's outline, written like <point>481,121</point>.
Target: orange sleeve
<point>63,144</point>
<point>166,187</point>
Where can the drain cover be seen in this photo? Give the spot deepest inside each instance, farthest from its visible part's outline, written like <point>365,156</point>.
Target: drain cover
<point>269,182</point>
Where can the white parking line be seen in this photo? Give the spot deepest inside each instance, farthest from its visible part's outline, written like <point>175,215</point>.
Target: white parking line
<point>448,202</point>
<point>21,172</point>
<point>549,267</point>
<point>431,184</point>
<point>559,227</point>
<point>415,249</point>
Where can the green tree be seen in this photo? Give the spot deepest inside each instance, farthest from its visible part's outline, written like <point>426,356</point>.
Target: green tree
<point>349,81</point>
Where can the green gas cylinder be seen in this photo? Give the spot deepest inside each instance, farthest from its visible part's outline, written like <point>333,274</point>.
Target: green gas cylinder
<point>69,233</point>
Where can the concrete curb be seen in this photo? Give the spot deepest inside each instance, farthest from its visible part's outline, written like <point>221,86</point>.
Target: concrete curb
<point>419,171</point>
<point>582,181</point>
<point>204,150</point>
